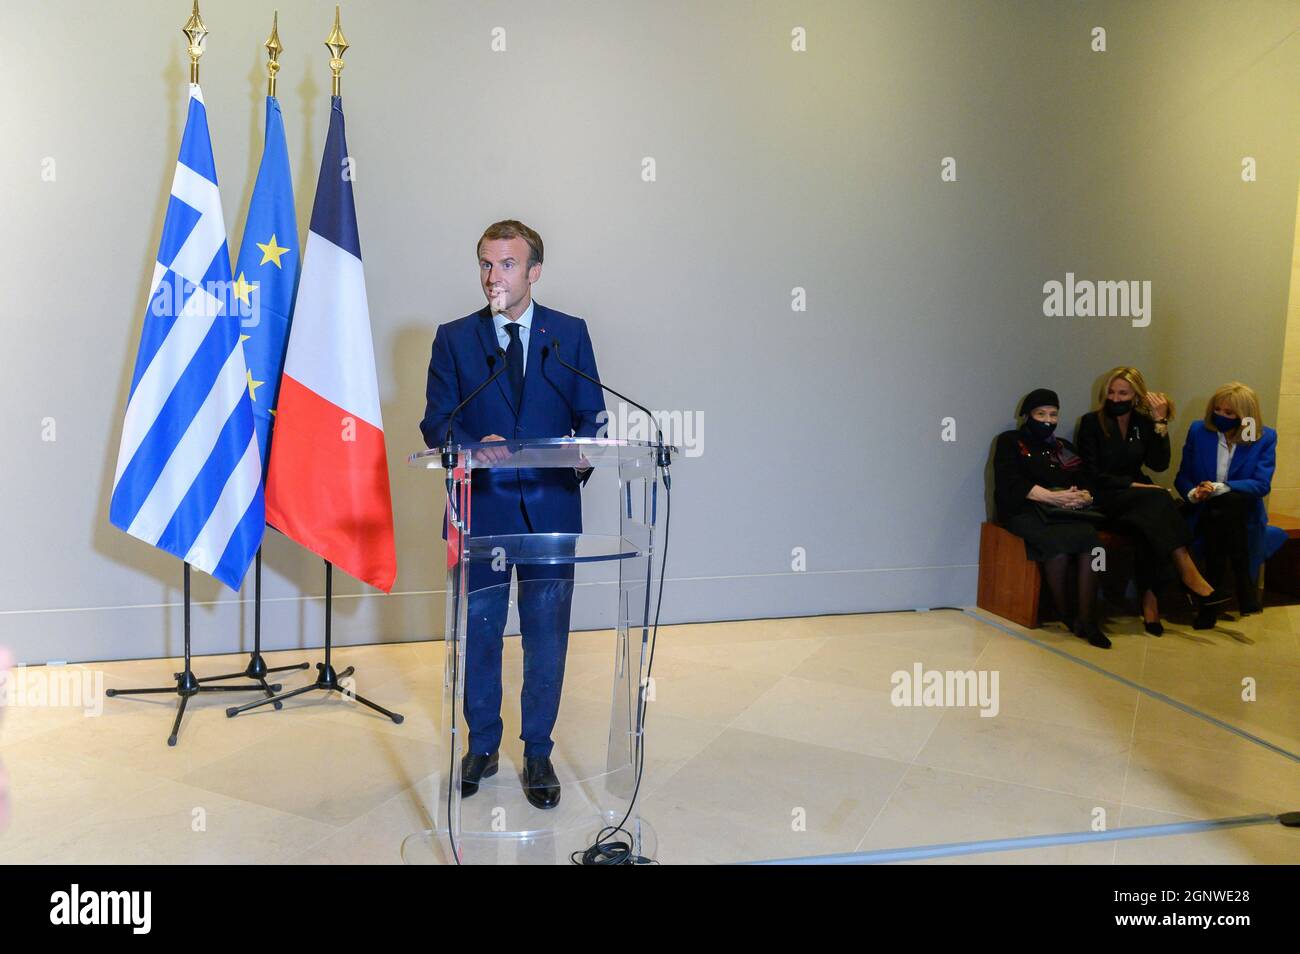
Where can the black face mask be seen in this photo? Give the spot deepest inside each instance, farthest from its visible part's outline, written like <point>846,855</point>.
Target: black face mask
<point>1040,431</point>
<point>1117,408</point>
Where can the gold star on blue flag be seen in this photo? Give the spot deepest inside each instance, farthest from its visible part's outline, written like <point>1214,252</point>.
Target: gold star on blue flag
<point>267,267</point>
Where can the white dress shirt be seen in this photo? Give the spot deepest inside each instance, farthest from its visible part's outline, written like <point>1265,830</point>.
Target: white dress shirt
<point>1223,462</point>
<point>525,323</point>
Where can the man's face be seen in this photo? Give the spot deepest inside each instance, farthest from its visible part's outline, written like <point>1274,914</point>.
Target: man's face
<point>504,272</point>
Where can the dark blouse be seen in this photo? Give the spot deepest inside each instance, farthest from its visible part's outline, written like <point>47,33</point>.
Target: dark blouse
<point>1118,460</point>
<point>1019,464</point>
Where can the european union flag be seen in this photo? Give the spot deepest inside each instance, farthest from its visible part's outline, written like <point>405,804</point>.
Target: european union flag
<point>266,276</point>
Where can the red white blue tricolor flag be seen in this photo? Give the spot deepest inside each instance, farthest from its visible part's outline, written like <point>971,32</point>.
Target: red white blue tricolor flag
<point>327,484</point>
<point>188,477</point>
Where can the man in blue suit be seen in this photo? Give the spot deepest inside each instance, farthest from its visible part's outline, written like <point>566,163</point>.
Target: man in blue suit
<point>535,397</point>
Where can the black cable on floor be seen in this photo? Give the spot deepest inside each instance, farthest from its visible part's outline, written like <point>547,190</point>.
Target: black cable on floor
<point>608,848</point>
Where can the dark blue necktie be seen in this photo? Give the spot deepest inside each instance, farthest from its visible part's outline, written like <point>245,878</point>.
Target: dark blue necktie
<point>515,363</point>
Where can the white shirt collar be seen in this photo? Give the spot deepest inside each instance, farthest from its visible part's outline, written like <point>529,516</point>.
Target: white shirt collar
<point>525,320</point>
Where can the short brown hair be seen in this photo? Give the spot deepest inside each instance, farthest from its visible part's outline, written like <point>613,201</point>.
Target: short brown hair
<point>510,229</point>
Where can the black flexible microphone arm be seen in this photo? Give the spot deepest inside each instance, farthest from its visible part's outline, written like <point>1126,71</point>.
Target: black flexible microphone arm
<point>606,849</point>
<point>662,456</point>
<point>449,457</point>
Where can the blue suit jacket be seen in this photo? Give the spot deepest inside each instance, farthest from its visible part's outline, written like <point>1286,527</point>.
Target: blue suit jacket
<point>556,403</point>
<point>1250,472</point>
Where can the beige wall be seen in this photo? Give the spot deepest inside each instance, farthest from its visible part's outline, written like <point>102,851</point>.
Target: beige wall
<point>1286,482</point>
<point>776,170</point>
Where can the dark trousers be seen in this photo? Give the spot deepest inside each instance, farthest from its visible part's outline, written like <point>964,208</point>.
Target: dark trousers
<point>545,599</point>
<point>1224,538</point>
<point>1153,518</point>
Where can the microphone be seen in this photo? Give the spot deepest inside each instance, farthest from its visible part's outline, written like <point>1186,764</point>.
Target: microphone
<point>662,457</point>
<point>449,456</point>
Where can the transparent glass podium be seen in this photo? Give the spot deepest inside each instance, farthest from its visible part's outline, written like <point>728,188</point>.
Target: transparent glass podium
<point>610,577</point>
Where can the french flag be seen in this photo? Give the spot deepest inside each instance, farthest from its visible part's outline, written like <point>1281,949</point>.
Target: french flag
<point>327,484</point>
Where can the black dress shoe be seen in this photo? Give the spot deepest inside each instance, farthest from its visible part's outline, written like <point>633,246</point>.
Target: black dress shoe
<point>541,787</point>
<point>1092,633</point>
<point>474,768</point>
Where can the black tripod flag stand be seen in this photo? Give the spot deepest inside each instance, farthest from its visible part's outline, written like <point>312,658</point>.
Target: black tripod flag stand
<point>188,685</point>
<point>257,669</point>
<point>327,679</point>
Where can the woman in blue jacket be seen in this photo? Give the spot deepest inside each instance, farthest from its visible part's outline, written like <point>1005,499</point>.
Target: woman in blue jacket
<point>1226,473</point>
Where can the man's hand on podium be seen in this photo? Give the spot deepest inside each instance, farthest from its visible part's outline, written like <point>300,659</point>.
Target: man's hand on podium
<point>494,455</point>
<point>583,470</point>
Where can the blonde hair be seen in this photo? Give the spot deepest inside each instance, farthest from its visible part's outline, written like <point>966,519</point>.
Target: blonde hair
<point>1243,401</point>
<point>1141,401</point>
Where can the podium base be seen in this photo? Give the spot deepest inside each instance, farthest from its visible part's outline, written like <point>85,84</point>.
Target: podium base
<point>538,847</point>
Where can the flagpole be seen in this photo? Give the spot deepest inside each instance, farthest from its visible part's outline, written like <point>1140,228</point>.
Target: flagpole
<point>273,50</point>
<point>186,685</point>
<point>327,679</point>
<point>257,668</point>
<point>337,45</point>
<point>196,33</point>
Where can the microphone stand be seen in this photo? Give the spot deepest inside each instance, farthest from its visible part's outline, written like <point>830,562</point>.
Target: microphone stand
<point>662,455</point>
<point>450,460</point>
<point>606,849</point>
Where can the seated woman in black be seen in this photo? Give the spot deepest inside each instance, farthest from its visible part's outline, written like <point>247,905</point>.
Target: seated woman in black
<point>1037,480</point>
<point>1128,431</point>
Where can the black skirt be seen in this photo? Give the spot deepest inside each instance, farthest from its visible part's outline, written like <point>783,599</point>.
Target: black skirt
<point>1149,514</point>
<point>1045,540</point>
<point>1152,517</point>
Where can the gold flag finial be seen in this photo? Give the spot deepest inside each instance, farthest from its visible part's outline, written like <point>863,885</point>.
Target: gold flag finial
<point>273,50</point>
<point>336,43</point>
<point>195,32</point>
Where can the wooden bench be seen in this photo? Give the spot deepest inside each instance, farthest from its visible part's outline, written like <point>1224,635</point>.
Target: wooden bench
<point>1283,568</point>
<point>1011,584</point>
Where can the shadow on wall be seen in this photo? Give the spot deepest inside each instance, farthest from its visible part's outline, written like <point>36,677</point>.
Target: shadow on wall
<point>419,496</point>
<point>105,538</point>
<point>281,556</point>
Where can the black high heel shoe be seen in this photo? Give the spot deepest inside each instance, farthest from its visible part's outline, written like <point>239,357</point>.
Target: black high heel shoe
<point>1155,628</point>
<point>1205,606</point>
<point>1215,597</point>
<point>1092,633</point>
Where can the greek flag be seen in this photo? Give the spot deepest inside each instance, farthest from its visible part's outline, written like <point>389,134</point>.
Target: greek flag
<point>189,474</point>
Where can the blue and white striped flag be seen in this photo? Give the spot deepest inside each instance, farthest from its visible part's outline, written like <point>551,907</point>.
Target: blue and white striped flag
<point>189,474</point>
